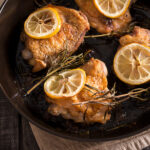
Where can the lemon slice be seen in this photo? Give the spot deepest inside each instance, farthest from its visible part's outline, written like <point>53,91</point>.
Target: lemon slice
<point>43,23</point>
<point>112,8</point>
<point>132,64</point>
<point>65,84</point>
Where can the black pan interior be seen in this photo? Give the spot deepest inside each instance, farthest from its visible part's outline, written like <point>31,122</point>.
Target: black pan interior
<point>127,118</point>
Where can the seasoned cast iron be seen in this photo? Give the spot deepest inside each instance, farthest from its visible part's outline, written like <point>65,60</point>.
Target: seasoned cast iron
<point>16,78</point>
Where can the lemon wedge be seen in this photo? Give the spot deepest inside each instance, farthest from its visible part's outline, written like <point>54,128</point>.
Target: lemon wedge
<point>132,64</point>
<point>112,8</point>
<point>43,23</point>
<point>65,84</point>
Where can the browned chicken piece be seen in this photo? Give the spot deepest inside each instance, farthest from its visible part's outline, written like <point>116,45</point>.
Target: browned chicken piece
<point>138,35</point>
<point>40,53</point>
<point>101,23</point>
<point>96,72</point>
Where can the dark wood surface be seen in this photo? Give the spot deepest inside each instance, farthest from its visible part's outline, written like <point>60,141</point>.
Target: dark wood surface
<point>15,131</point>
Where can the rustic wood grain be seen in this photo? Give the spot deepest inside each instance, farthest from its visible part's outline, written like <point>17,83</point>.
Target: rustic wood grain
<point>9,135</point>
<point>28,141</point>
<point>15,132</point>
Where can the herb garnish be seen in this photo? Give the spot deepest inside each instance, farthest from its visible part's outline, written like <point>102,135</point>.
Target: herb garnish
<point>111,94</point>
<point>65,63</point>
<point>126,30</point>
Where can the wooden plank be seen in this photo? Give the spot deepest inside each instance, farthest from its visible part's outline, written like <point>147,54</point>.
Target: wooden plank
<point>15,132</point>
<point>9,135</point>
<point>28,141</point>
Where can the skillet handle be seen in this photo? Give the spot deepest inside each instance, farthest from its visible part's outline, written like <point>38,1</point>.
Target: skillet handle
<point>2,5</point>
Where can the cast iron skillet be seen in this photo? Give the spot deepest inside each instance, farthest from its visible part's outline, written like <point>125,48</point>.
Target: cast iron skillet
<point>127,119</point>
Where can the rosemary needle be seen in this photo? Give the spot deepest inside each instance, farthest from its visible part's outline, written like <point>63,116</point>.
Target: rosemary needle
<point>67,62</point>
<point>115,33</point>
<point>120,98</point>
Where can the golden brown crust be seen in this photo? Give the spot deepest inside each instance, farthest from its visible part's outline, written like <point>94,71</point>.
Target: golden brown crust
<point>96,77</point>
<point>101,23</point>
<point>138,35</point>
<point>71,35</point>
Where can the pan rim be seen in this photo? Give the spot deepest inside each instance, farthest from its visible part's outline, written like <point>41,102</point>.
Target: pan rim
<point>66,136</point>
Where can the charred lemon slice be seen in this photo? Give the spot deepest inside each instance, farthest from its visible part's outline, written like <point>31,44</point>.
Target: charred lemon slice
<point>112,8</point>
<point>132,64</point>
<point>43,23</point>
<point>65,84</point>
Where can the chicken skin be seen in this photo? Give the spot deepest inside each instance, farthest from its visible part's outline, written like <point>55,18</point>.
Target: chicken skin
<point>101,23</point>
<point>138,35</point>
<point>96,73</point>
<point>41,52</point>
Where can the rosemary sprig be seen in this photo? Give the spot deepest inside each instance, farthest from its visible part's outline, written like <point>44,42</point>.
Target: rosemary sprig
<point>93,88</point>
<point>38,3</point>
<point>115,33</point>
<point>116,99</point>
<point>67,62</point>
<point>107,112</point>
<point>99,35</point>
<point>104,92</point>
<point>84,115</point>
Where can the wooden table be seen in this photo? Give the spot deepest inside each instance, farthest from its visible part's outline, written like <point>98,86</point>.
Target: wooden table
<point>15,131</point>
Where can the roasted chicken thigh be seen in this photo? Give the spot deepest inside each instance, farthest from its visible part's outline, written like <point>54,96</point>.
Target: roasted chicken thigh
<point>101,23</point>
<point>138,35</point>
<point>96,73</point>
<point>41,52</point>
